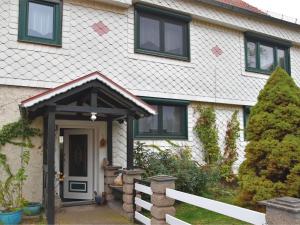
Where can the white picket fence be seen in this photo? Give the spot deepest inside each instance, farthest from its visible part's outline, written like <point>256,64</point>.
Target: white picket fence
<point>236,212</point>
<point>140,202</point>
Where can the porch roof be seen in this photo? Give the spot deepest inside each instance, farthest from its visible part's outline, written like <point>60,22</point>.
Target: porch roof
<point>98,82</point>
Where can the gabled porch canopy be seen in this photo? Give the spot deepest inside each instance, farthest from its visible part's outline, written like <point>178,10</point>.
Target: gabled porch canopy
<point>91,93</point>
<point>78,100</point>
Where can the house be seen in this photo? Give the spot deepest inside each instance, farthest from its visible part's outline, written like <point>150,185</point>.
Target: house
<point>66,63</point>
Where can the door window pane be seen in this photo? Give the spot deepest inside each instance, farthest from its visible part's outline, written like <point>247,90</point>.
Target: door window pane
<point>281,58</point>
<point>174,38</point>
<point>149,124</point>
<point>40,20</point>
<point>251,54</point>
<point>149,33</point>
<point>172,119</point>
<point>266,57</point>
<point>78,155</point>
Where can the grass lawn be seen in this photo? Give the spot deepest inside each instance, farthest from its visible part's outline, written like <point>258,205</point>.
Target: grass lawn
<point>194,215</point>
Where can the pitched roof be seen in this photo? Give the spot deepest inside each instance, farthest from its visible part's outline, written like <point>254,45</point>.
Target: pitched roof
<point>82,80</point>
<point>241,4</point>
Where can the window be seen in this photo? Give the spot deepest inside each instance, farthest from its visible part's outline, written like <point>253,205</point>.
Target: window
<point>170,121</point>
<point>263,56</point>
<point>40,21</point>
<point>161,33</point>
<point>246,112</point>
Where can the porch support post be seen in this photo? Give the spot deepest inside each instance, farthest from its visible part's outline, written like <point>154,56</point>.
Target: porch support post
<point>129,142</point>
<point>50,145</point>
<point>109,142</point>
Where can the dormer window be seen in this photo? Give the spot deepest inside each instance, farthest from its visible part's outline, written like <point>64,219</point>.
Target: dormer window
<point>162,33</point>
<point>40,21</point>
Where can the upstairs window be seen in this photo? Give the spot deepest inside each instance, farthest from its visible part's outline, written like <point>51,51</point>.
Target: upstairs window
<point>40,21</point>
<point>161,33</point>
<point>263,56</point>
<point>170,122</point>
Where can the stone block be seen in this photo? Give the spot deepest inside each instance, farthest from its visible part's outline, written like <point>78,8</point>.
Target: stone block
<point>161,200</point>
<point>128,179</point>
<point>110,173</point>
<point>128,188</point>
<point>160,212</point>
<point>160,187</point>
<point>128,208</point>
<point>128,198</point>
<point>109,180</point>
<point>283,211</point>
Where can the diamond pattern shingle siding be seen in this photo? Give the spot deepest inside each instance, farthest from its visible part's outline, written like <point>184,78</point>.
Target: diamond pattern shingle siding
<point>205,78</point>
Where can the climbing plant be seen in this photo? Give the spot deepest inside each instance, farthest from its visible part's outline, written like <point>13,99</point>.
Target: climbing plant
<point>19,134</point>
<point>230,151</point>
<point>207,132</point>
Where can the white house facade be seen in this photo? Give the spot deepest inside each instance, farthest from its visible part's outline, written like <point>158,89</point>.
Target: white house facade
<point>172,54</point>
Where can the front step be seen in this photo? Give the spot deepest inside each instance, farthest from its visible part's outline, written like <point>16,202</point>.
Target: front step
<point>78,203</point>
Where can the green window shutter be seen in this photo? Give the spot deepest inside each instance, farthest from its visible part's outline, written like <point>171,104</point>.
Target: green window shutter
<point>23,33</point>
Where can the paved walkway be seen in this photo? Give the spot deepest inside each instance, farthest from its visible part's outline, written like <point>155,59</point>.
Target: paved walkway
<point>90,214</point>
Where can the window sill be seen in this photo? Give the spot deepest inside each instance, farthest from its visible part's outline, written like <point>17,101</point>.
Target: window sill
<point>163,55</point>
<point>151,58</point>
<point>183,138</point>
<point>255,75</point>
<point>40,43</point>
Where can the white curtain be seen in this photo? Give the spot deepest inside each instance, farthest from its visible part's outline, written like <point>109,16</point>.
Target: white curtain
<point>40,20</point>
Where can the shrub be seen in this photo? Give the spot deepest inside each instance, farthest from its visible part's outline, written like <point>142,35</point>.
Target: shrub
<point>175,161</point>
<point>208,134</point>
<point>272,165</point>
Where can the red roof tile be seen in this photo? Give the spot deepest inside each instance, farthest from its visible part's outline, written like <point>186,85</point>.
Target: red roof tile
<point>241,4</point>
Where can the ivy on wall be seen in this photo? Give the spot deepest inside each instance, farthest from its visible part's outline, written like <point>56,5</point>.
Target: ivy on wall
<point>19,134</point>
<point>208,134</point>
<point>230,151</point>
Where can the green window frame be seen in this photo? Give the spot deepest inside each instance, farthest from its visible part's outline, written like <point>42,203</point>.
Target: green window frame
<point>23,35</point>
<point>161,133</point>
<point>162,16</point>
<point>246,114</point>
<point>276,46</point>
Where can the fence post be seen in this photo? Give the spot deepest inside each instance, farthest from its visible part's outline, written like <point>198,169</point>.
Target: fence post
<point>162,205</point>
<point>110,173</point>
<point>128,186</point>
<point>283,211</point>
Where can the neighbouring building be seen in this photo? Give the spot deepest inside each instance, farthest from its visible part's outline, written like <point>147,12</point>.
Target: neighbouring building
<point>152,61</point>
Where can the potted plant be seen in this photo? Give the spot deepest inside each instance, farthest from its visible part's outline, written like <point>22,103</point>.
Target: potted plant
<point>11,198</point>
<point>32,208</point>
<point>11,183</point>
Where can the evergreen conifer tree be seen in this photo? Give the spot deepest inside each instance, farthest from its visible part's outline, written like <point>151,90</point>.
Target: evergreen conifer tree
<point>272,165</point>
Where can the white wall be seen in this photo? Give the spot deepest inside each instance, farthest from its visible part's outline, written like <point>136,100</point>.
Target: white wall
<point>206,78</point>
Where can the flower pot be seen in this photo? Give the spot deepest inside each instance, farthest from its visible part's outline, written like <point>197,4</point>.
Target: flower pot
<point>10,218</point>
<point>32,209</point>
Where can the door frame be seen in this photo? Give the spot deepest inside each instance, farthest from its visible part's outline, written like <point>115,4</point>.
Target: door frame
<point>99,129</point>
<point>88,180</point>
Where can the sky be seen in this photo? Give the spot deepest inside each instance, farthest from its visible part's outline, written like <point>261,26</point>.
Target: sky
<point>289,8</point>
